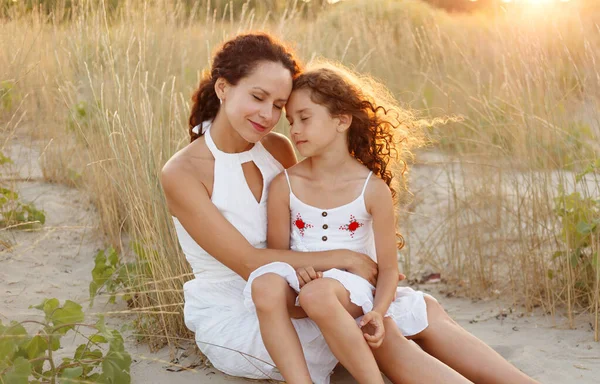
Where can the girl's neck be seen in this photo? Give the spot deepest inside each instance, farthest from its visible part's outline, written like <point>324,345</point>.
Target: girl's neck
<point>225,136</point>
<point>332,162</point>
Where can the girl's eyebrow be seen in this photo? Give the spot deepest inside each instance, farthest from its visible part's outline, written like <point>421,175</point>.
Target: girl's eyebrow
<point>268,93</point>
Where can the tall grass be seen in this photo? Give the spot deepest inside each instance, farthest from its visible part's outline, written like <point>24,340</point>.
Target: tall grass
<point>107,94</point>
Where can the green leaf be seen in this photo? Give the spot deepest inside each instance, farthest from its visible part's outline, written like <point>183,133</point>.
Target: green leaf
<point>4,159</point>
<point>557,254</point>
<point>18,373</point>
<point>55,343</point>
<point>48,306</point>
<point>575,258</point>
<point>117,362</point>
<point>69,375</point>
<point>69,313</point>
<point>113,257</point>
<point>11,338</point>
<point>36,347</point>
<point>98,339</point>
<point>550,274</point>
<point>584,228</point>
<point>595,260</point>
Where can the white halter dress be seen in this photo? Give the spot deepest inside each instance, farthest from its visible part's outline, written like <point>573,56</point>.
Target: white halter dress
<point>225,330</point>
<point>349,226</point>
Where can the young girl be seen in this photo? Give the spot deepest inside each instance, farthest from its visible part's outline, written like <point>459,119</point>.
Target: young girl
<point>340,197</point>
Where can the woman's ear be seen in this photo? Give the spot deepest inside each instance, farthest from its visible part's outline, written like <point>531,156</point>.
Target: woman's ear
<point>221,88</point>
<point>344,122</point>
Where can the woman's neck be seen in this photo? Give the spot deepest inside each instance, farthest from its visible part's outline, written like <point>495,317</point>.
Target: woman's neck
<point>225,137</point>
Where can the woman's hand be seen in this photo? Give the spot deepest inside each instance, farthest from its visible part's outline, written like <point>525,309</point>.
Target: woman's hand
<point>361,265</point>
<point>307,274</point>
<point>372,323</point>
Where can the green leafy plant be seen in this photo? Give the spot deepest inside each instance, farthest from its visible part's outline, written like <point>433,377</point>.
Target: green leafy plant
<point>114,276</point>
<point>580,231</point>
<point>26,358</point>
<point>14,212</point>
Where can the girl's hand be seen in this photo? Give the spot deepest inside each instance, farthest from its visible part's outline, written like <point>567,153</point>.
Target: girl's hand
<point>362,265</point>
<point>307,274</point>
<point>373,324</point>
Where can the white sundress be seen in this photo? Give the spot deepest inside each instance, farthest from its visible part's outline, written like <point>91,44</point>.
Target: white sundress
<point>225,330</point>
<point>349,226</point>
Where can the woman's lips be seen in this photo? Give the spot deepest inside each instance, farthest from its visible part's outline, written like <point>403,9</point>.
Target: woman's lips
<point>300,142</point>
<point>258,127</point>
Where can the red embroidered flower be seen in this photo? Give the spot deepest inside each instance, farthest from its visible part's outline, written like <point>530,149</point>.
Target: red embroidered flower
<point>301,225</point>
<point>352,226</point>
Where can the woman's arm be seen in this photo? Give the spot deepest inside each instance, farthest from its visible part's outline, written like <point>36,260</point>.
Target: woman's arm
<point>189,201</point>
<point>381,207</point>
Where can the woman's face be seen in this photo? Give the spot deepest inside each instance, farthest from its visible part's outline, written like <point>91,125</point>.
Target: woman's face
<point>253,106</point>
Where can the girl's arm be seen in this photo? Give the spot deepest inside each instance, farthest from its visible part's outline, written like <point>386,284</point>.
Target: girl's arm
<point>188,200</point>
<point>381,206</point>
<point>278,214</point>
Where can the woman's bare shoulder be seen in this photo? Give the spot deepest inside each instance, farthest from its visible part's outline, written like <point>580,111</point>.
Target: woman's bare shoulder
<point>192,164</point>
<point>280,147</point>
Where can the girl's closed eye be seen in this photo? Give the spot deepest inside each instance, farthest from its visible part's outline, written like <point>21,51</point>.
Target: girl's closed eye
<point>257,98</point>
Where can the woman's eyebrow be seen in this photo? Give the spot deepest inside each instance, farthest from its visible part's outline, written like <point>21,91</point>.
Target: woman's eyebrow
<point>268,93</point>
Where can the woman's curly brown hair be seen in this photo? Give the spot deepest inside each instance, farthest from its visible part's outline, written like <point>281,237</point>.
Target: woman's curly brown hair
<point>382,134</point>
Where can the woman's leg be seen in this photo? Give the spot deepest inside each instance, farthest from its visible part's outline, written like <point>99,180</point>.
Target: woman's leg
<point>327,303</point>
<point>404,362</point>
<point>452,344</point>
<point>272,297</point>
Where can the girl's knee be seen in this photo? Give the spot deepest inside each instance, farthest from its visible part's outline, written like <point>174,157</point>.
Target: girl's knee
<point>269,292</point>
<point>316,296</point>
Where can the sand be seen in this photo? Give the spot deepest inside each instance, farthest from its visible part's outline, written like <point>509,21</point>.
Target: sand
<point>56,261</point>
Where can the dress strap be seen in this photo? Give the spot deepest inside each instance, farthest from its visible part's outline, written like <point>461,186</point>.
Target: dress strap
<point>287,177</point>
<point>366,182</point>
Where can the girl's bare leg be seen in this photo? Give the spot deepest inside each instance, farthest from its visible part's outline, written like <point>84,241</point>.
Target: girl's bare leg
<point>272,297</point>
<point>452,344</point>
<point>327,303</point>
<point>403,362</point>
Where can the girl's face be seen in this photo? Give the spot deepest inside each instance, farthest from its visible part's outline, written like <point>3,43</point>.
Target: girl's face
<point>253,106</point>
<point>313,129</point>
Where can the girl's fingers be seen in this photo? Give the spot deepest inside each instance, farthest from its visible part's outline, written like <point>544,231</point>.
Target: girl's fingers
<point>311,273</point>
<point>300,279</point>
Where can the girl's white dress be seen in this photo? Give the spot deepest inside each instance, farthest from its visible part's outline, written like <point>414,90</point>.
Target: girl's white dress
<point>349,226</point>
<point>225,330</point>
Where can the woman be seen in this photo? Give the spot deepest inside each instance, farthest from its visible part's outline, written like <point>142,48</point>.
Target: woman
<point>216,192</point>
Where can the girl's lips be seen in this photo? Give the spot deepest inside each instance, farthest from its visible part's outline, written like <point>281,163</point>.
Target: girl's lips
<point>300,142</point>
<point>258,127</point>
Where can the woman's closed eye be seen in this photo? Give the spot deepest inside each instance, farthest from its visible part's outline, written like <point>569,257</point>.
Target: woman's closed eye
<point>280,107</point>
